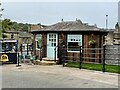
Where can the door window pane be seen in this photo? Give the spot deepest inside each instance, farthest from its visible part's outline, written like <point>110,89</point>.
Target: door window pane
<point>54,36</point>
<point>54,44</point>
<point>52,39</point>
<point>55,40</point>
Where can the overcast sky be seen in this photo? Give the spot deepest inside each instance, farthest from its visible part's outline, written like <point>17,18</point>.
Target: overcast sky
<point>49,13</point>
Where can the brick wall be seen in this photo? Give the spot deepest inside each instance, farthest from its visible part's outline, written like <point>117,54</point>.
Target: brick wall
<point>112,54</point>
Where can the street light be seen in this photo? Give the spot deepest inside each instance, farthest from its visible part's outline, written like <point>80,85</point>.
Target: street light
<point>17,51</point>
<point>27,46</point>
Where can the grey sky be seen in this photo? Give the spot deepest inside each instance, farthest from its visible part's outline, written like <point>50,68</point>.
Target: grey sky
<point>119,12</point>
<point>49,13</point>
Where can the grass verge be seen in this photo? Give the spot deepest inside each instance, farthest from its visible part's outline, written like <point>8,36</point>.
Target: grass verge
<point>97,67</point>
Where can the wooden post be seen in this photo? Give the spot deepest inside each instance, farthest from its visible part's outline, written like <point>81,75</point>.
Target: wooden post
<point>63,55</point>
<point>80,57</point>
<point>34,44</point>
<point>40,53</point>
<point>21,49</point>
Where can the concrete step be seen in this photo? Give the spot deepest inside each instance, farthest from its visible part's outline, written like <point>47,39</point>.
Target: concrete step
<point>43,62</point>
<point>49,59</point>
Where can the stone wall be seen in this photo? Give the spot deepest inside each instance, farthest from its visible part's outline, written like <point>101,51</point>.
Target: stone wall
<point>112,54</point>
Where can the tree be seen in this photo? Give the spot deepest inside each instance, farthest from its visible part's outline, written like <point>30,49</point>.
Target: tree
<point>25,27</point>
<point>0,28</point>
<point>6,25</point>
<point>15,26</point>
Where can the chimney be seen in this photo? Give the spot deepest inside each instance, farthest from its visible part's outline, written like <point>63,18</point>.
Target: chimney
<point>86,23</point>
<point>76,19</point>
<point>62,19</point>
<point>95,25</point>
<point>106,21</point>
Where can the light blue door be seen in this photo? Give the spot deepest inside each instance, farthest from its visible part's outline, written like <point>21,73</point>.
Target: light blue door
<point>52,42</point>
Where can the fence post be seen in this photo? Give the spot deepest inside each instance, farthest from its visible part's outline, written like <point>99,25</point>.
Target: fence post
<point>104,48</point>
<point>63,55</point>
<point>40,53</point>
<point>80,57</point>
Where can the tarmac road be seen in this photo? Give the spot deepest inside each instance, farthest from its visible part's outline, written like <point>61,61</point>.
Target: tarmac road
<point>35,76</point>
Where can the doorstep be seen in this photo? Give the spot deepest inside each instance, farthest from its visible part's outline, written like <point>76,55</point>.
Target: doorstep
<point>49,59</point>
<point>43,62</point>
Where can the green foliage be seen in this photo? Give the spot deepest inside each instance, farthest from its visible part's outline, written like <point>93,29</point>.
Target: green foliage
<point>92,42</point>
<point>4,36</point>
<point>0,29</point>
<point>20,26</point>
<point>6,25</point>
<point>26,27</point>
<point>39,42</point>
<point>15,26</point>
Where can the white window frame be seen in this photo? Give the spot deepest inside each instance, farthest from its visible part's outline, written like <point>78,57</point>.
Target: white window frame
<point>76,37</point>
<point>36,39</point>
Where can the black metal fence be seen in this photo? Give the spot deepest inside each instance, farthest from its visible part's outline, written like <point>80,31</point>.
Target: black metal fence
<point>90,54</point>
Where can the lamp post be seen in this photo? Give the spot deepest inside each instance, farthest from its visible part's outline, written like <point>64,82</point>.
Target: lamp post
<point>27,46</point>
<point>17,50</point>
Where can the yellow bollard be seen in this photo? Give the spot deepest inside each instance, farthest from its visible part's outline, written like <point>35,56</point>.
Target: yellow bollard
<point>4,58</point>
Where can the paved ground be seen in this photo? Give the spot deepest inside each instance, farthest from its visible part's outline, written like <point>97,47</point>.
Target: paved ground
<point>36,76</point>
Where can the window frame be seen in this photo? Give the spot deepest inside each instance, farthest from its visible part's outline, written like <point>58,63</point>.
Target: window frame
<point>36,40</point>
<point>76,37</point>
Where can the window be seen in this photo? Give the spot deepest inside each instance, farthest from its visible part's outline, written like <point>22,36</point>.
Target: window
<point>74,42</point>
<point>38,41</point>
<point>52,40</point>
